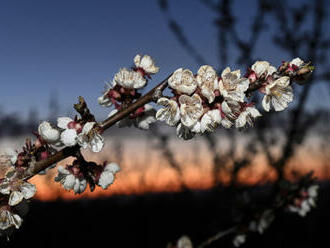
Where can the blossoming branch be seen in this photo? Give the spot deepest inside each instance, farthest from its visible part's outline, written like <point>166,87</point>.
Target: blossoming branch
<point>199,103</point>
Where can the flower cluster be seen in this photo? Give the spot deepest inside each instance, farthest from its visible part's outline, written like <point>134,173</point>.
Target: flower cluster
<point>123,91</point>
<point>16,189</point>
<point>9,219</point>
<point>70,132</point>
<point>202,102</point>
<point>262,222</point>
<point>14,194</point>
<point>76,176</point>
<point>239,239</point>
<point>296,197</point>
<point>259,223</point>
<point>32,152</point>
<point>305,200</point>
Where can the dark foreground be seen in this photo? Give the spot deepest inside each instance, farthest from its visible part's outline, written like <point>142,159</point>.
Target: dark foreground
<point>153,220</point>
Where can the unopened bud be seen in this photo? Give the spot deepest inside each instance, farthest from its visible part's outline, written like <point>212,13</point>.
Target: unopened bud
<point>303,74</point>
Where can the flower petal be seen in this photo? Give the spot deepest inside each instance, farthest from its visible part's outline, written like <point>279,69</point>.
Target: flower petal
<point>48,133</point>
<point>28,190</point>
<point>69,137</point>
<point>62,122</point>
<point>15,198</point>
<point>266,103</point>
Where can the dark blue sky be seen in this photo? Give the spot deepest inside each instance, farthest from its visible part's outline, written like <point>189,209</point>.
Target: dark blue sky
<point>73,46</point>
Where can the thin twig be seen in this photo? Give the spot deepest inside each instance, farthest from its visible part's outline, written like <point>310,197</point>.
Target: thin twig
<point>219,235</point>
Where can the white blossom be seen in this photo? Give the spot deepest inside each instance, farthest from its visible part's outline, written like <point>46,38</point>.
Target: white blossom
<point>144,121</point>
<point>146,63</point>
<point>279,94</point>
<point>183,81</point>
<point>70,131</point>
<point>191,109</point>
<point>210,120</point>
<point>297,62</point>
<point>307,202</point>
<point>17,190</point>
<point>232,86</point>
<point>69,137</point>
<point>104,100</point>
<point>197,127</point>
<point>239,240</point>
<point>230,111</point>
<point>170,113</point>
<point>261,224</point>
<point>90,138</point>
<point>247,116</point>
<point>11,154</point>
<point>70,181</point>
<point>184,242</point>
<point>48,133</point>
<point>9,219</point>
<point>108,175</point>
<point>207,80</point>
<point>263,68</point>
<point>129,79</point>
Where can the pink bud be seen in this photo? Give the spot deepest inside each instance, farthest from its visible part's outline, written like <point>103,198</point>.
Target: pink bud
<point>140,111</point>
<point>71,125</point>
<point>114,94</point>
<point>44,155</point>
<point>141,71</point>
<point>252,77</point>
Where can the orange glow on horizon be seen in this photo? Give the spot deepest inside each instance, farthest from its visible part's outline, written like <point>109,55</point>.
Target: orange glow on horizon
<point>167,180</point>
<point>144,169</point>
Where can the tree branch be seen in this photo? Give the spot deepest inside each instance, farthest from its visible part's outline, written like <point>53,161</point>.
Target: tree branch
<point>66,152</point>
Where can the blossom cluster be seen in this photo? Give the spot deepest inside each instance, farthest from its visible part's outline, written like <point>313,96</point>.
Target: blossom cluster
<point>76,176</point>
<point>33,151</point>
<point>71,132</point>
<point>123,91</point>
<point>14,191</point>
<point>14,194</point>
<point>304,201</point>
<point>259,223</point>
<point>80,173</point>
<point>202,102</point>
<point>295,197</point>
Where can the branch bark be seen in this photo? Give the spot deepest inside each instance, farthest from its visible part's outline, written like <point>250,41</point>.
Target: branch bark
<point>153,95</point>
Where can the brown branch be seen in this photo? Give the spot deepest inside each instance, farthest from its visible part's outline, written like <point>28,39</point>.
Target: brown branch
<point>152,95</point>
<point>66,152</point>
<point>217,236</point>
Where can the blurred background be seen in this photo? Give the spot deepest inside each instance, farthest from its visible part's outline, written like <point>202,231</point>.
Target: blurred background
<point>51,52</point>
